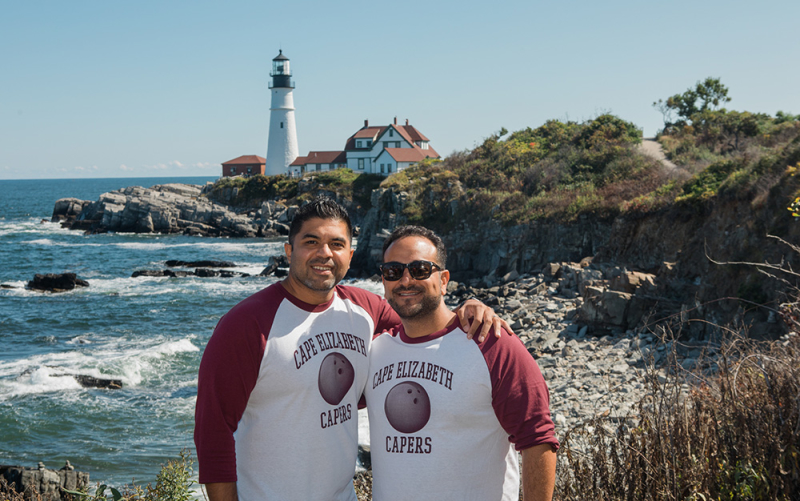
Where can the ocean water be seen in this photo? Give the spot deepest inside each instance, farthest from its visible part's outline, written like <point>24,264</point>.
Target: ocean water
<point>148,332</point>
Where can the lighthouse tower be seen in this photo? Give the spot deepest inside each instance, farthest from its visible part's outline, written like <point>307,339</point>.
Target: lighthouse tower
<point>282,145</point>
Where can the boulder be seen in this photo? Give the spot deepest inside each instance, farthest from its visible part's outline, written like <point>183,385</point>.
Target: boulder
<point>274,263</point>
<point>172,263</point>
<point>47,483</point>
<point>609,309</point>
<point>160,273</point>
<point>206,272</point>
<point>56,282</point>
<point>552,271</point>
<point>631,281</point>
<point>93,382</point>
<point>67,209</point>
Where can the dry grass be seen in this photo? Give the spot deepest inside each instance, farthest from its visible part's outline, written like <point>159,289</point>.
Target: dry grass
<point>728,431</point>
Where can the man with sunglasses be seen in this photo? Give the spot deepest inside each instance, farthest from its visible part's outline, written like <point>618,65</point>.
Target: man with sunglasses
<point>281,376</point>
<point>445,412</point>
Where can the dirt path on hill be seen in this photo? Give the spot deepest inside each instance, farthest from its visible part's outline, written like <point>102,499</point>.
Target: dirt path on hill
<point>652,148</point>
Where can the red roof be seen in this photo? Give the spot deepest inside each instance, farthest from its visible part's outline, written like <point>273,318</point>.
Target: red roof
<point>323,157</point>
<point>299,161</point>
<point>410,154</point>
<point>369,132</point>
<point>363,133</point>
<point>407,132</point>
<point>413,133</point>
<point>246,159</point>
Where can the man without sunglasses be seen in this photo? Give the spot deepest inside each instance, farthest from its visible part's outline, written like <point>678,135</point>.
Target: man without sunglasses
<point>280,379</point>
<point>440,426</point>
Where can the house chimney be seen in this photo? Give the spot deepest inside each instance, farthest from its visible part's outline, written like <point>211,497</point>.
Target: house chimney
<point>366,123</point>
<point>406,122</point>
<point>395,120</point>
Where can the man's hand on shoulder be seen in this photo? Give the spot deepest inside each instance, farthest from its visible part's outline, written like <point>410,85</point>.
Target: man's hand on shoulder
<point>483,318</point>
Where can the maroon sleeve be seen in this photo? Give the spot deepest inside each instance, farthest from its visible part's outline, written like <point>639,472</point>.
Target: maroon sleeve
<point>228,373</point>
<point>520,397</point>
<point>382,314</point>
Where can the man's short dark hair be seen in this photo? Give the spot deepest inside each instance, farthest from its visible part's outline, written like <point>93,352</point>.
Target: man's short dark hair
<point>322,208</point>
<point>418,231</point>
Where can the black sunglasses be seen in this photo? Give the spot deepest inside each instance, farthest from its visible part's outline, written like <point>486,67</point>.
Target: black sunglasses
<point>419,270</point>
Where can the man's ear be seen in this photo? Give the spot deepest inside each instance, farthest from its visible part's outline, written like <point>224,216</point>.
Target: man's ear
<point>287,248</point>
<point>445,274</point>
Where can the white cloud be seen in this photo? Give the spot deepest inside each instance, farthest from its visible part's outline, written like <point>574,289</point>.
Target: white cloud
<point>125,167</point>
<point>178,165</point>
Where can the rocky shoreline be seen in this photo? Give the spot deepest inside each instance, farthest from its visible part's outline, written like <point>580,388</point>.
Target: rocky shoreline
<point>169,209</point>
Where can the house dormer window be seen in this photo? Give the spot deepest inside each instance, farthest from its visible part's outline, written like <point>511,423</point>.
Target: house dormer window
<point>369,143</point>
<point>358,144</point>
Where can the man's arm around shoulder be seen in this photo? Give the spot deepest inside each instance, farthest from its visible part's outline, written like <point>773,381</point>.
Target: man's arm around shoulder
<point>538,473</point>
<point>222,491</point>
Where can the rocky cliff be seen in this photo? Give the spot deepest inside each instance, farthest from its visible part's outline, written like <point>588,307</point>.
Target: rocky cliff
<point>677,247</point>
<point>171,208</point>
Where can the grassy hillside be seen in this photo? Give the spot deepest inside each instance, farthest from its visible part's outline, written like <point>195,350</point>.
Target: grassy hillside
<point>556,171</point>
<point>560,171</point>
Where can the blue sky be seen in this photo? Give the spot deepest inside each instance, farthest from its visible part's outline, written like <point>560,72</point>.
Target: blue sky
<point>135,89</point>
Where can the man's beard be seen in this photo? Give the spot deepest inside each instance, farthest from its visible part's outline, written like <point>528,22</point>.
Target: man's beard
<point>318,285</point>
<point>427,305</point>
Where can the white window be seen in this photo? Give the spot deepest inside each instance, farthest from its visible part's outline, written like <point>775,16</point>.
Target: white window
<point>369,143</point>
<point>397,144</point>
<point>391,132</point>
<point>319,167</point>
<point>382,166</point>
<point>360,164</point>
<point>358,144</point>
<point>390,168</point>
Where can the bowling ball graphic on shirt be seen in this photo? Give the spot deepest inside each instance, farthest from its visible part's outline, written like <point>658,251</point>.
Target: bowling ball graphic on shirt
<point>336,376</point>
<point>407,407</point>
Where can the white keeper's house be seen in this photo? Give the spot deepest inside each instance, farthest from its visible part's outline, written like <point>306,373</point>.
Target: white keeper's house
<point>383,150</point>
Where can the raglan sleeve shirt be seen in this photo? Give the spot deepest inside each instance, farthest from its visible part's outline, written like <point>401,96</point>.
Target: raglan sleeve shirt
<point>228,373</point>
<point>520,396</point>
<point>230,367</point>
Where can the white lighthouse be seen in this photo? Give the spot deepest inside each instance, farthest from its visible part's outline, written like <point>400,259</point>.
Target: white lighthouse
<point>282,145</point>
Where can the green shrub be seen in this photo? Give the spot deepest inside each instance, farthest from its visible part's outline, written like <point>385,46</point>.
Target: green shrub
<point>173,483</point>
<point>704,185</point>
<point>255,189</point>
